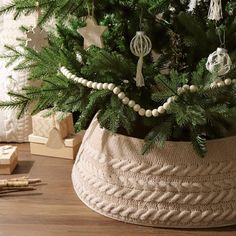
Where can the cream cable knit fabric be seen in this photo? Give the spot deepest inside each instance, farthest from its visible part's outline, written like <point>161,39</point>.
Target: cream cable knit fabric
<point>11,129</point>
<point>170,187</point>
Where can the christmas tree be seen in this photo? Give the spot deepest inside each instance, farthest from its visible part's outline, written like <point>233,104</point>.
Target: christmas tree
<point>142,65</point>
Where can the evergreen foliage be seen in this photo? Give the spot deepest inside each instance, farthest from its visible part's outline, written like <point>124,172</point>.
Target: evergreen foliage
<point>182,40</point>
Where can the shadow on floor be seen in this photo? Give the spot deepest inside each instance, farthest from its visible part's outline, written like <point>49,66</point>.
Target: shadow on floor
<point>23,167</point>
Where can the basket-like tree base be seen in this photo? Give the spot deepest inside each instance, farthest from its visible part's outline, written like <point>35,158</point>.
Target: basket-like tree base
<point>170,187</point>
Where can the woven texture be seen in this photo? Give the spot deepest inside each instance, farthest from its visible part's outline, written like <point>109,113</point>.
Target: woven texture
<point>170,187</point>
<point>12,129</point>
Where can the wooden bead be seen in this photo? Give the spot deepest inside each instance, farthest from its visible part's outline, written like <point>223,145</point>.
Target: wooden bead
<point>76,79</point>
<point>137,108</point>
<point>111,86</point>
<point>99,86</point>
<point>148,113</point>
<point>174,98</point>
<point>186,87</point>
<point>142,112</point>
<point>220,84</point>
<point>105,86</point>
<point>89,84</point>
<point>213,85</point>
<point>94,85</point>
<point>63,71</point>
<point>193,88</point>
<point>84,82</point>
<point>116,90</point>
<point>125,100</point>
<point>73,77</point>
<point>131,103</point>
<point>121,95</point>
<point>228,81</point>
<point>67,74</point>
<point>166,105</point>
<point>180,91</point>
<point>161,110</point>
<point>155,113</point>
<point>70,75</point>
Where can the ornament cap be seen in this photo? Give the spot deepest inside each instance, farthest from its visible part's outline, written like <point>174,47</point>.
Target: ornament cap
<point>222,50</point>
<point>140,33</point>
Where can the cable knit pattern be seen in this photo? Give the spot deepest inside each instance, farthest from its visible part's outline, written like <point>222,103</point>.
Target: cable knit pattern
<point>159,195</point>
<point>155,216</point>
<point>12,129</point>
<point>170,187</point>
<point>162,169</point>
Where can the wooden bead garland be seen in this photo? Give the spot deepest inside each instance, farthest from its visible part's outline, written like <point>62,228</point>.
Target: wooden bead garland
<point>132,104</point>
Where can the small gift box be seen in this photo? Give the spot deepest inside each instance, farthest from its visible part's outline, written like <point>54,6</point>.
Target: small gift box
<point>38,146</point>
<point>8,159</point>
<point>42,124</point>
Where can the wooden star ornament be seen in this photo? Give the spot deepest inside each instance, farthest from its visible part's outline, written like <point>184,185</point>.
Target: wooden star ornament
<point>92,33</point>
<point>37,39</point>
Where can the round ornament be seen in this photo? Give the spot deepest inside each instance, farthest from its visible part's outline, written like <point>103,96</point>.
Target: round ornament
<point>219,62</point>
<point>140,46</point>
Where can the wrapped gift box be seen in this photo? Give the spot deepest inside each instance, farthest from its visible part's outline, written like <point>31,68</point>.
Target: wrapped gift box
<point>69,151</point>
<point>8,159</point>
<point>43,125</point>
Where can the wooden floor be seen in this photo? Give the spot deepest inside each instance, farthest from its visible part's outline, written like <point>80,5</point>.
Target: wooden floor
<point>54,209</point>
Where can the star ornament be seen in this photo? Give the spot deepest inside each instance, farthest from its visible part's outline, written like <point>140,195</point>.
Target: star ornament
<point>37,39</point>
<point>92,33</point>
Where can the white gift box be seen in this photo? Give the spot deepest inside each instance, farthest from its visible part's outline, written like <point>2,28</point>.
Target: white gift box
<point>68,151</point>
<point>8,159</point>
<point>43,125</point>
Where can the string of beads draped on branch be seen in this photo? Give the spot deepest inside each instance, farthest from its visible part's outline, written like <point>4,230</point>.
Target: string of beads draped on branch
<point>131,103</point>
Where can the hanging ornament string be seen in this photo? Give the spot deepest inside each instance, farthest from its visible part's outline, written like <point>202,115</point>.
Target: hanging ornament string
<point>219,33</point>
<point>91,8</point>
<point>38,10</point>
<point>141,20</point>
<point>215,11</point>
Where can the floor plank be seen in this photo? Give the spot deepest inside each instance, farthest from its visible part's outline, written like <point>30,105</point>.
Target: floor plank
<point>54,209</point>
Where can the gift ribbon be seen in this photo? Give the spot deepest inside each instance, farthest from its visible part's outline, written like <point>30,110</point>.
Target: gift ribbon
<point>5,150</point>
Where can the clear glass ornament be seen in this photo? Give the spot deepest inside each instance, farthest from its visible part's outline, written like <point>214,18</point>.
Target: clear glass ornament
<point>219,62</point>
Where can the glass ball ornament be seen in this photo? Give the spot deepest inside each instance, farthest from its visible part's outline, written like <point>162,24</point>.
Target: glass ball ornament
<point>219,62</point>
